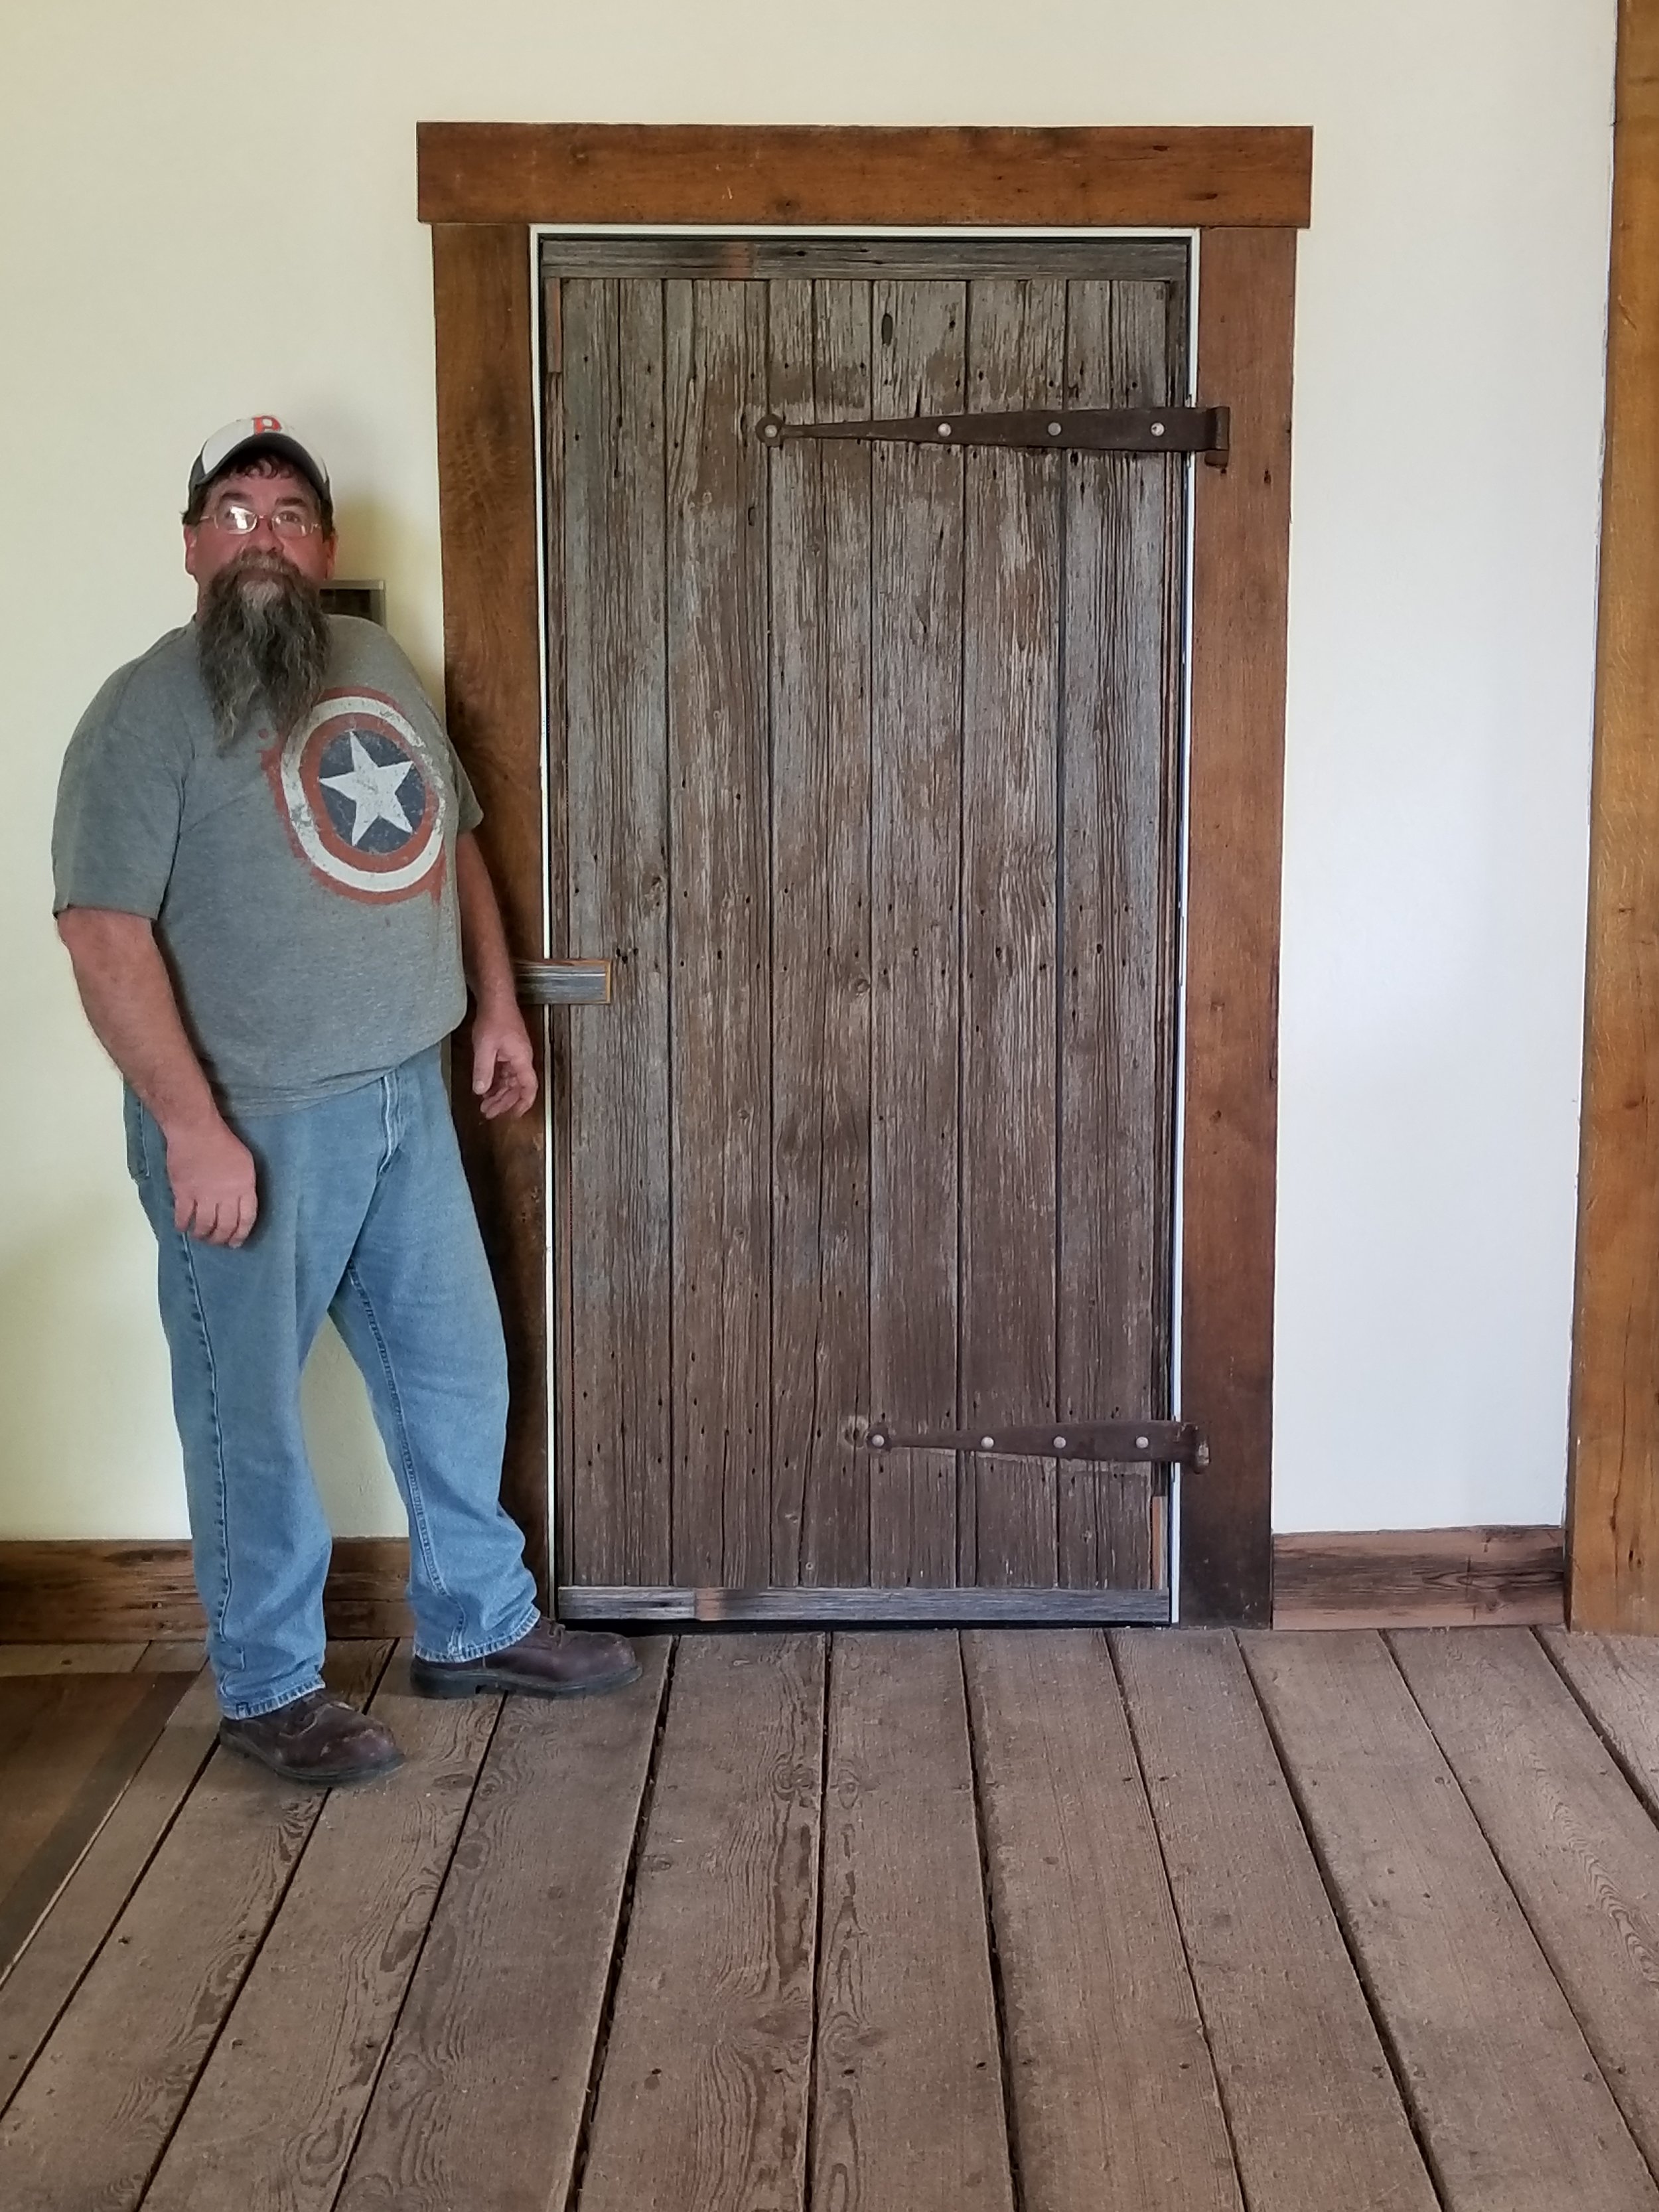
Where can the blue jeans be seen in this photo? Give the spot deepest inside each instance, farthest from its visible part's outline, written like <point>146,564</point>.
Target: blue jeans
<point>364,1213</point>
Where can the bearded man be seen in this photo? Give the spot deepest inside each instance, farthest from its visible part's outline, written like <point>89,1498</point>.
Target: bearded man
<point>268,883</point>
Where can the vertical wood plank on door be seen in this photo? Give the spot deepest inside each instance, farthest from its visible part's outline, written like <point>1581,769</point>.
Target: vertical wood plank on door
<point>909,2103</point>
<point>1506,2095</point>
<point>1010,715</point>
<point>702,2105</point>
<point>916,623</point>
<point>715,351</point>
<point>1119,695</point>
<point>1115,2107</point>
<point>617,1196</point>
<point>819,553</point>
<point>125,2054</point>
<point>1311,2105</point>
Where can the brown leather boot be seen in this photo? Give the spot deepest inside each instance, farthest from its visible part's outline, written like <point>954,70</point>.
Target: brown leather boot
<point>551,1662</point>
<point>318,1738</point>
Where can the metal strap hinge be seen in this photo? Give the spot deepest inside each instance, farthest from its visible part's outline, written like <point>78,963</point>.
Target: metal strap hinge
<point>1092,429</point>
<point>1162,1443</point>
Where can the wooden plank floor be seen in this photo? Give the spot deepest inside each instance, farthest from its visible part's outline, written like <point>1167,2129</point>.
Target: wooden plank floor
<point>1057,1921</point>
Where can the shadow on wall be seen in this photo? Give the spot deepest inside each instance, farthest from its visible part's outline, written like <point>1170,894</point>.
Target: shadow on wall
<point>83,1373</point>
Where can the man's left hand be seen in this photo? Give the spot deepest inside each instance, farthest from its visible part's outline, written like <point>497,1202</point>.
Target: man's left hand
<point>503,1063</point>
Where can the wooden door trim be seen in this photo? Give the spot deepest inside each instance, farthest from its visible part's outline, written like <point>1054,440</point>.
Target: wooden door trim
<point>482,187</point>
<point>1612,1477</point>
<point>538,172</point>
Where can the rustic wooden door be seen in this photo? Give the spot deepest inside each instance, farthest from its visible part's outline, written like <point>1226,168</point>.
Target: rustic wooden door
<point>864,775</point>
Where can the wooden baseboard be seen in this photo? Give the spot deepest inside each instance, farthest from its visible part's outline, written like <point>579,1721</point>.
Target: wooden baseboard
<point>70,1592</point>
<point>1421,1578</point>
<point>65,1593</point>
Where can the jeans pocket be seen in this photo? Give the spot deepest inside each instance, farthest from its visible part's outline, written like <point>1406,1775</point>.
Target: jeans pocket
<point>138,1136</point>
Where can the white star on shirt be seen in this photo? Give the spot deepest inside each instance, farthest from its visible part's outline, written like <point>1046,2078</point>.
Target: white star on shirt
<point>372,790</point>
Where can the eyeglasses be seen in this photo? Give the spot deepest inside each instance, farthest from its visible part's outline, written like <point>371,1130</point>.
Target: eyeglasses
<point>235,516</point>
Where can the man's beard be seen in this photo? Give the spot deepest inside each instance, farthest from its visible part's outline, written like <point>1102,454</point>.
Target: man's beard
<point>262,635</point>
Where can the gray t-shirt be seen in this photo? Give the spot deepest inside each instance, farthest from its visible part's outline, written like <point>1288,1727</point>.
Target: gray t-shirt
<point>303,890</point>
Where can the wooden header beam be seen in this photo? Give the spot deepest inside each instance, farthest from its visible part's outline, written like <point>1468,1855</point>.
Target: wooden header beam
<point>536,173</point>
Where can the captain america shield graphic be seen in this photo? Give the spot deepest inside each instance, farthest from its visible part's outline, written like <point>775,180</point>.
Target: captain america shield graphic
<point>364,796</point>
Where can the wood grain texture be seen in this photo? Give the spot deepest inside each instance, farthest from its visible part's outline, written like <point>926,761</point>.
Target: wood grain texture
<point>1616,1680</point>
<point>720,789</point>
<point>702,2105</point>
<point>486,464</point>
<point>70,1745</point>
<point>1241,551</point>
<point>53,1590</point>
<point>1010,745</point>
<point>1314,2117</point>
<point>37,1984</point>
<point>1575,1842</point>
<point>71,1658</point>
<point>908,2105</point>
<point>1506,2096</point>
<point>481,2099</point>
<point>819,551</point>
<point>916,683</point>
<point>524,173</point>
<point>1123,528</point>
<point>1418,1578</point>
<point>1115,2098</point>
<point>126,2053</point>
<point>272,2118</point>
<point>616,1194</point>
<point>1613,1499</point>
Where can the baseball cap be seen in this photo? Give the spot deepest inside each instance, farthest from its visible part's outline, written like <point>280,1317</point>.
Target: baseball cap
<point>256,433</point>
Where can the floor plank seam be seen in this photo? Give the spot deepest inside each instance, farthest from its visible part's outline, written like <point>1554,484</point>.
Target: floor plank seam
<point>1221,2098</point>
<point>619,1941</point>
<point>1497,1857</point>
<point>811,2131</point>
<point>250,1961</point>
<point>396,2022</point>
<point>1395,2057</point>
<point>1641,1784</point>
<point>999,1994</point>
<point>103,1944</point>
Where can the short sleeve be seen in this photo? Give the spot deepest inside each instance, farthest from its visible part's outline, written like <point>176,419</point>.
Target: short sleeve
<point>120,801</point>
<point>468,812</point>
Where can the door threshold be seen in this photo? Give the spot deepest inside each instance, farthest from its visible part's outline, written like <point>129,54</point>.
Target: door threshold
<point>1016,1608</point>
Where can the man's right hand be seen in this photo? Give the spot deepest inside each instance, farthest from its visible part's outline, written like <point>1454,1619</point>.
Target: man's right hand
<point>212,1176</point>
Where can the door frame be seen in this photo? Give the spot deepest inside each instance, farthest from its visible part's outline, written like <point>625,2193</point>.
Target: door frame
<point>482,189</point>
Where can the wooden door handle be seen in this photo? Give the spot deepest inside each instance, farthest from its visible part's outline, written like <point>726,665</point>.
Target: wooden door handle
<point>564,982</point>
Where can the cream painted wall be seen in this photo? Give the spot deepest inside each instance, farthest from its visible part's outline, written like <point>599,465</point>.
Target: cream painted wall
<point>209,211</point>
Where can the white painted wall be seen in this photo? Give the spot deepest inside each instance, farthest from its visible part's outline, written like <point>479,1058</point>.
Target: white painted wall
<point>209,210</point>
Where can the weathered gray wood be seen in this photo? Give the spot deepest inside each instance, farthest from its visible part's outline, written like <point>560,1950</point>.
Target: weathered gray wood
<point>1507,2098</point>
<point>1616,1678</point>
<point>481,2099</point>
<point>1009,722</point>
<point>715,338</point>
<point>909,2090</point>
<point>1315,2120</point>
<point>272,2119</point>
<point>866,1607</point>
<point>38,1983</point>
<point>615,1198</point>
<point>1120,700</point>
<point>1114,2097</point>
<point>125,2055</point>
<point>819,509</point>
<point>1575,1843</point>
<point>916,520</point>
<point>1148,260</point>
<point>702,2105</point>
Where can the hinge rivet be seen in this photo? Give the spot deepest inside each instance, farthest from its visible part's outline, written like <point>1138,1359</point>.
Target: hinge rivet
<point>985,1443</point>
<point>1055,429</point>
<point>1060,1444</point>
<point>944,430</point>
<point>1141,1443</point>
<point>1158,430</point>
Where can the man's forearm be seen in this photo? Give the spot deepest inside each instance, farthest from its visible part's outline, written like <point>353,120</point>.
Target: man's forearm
<point>484,954</point>
<point>129,1001</point>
